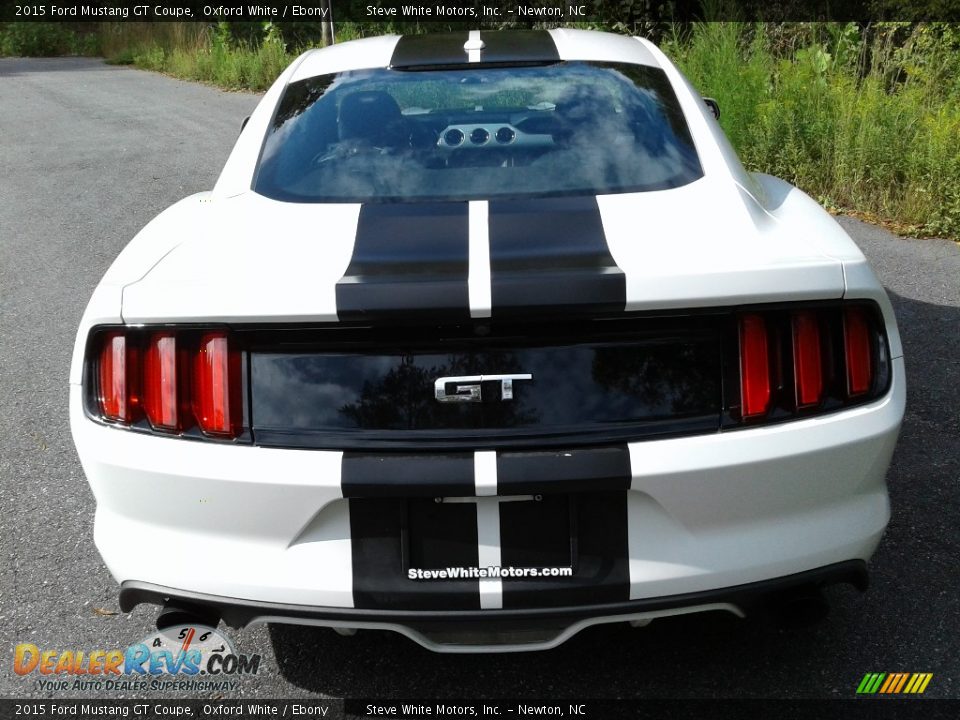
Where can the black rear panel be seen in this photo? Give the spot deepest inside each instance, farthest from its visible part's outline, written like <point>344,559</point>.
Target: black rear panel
<point>601,381</point>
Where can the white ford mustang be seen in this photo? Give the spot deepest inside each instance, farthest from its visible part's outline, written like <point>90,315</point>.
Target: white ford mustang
<point>485,338</point>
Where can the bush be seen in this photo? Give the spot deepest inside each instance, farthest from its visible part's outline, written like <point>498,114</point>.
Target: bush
<point>212,55</point>
<point>33,39</point>
<point>858,122</point>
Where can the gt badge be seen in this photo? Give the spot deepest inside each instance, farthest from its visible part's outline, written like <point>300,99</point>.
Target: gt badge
<point>469,388</point>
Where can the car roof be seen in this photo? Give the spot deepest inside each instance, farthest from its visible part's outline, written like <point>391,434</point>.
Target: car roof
<point>465,48</point>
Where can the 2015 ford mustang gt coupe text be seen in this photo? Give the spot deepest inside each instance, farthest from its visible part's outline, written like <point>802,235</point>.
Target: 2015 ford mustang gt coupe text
<point>485,338</point>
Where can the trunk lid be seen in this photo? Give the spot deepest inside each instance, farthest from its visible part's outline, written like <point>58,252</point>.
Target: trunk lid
<point>707,244</point>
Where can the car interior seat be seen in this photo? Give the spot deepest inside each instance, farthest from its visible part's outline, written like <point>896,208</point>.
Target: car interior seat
<point>372,118</point>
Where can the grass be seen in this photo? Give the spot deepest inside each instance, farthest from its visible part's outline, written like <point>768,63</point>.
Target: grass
<point>865,123</point>
<point>869,125</point>
<point>36,39</point>
<point>195,52</point>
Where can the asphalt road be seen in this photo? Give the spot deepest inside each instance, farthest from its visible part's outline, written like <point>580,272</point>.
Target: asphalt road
<point>89,153</point>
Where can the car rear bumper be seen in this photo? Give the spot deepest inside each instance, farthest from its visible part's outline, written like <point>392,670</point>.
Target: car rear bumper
<point>270,526</point>
<point>520,629</point>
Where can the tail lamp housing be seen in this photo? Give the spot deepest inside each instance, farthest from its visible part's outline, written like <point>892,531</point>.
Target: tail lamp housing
<point>796,360</point>
<point>779,363</point>
<point>178,381</point>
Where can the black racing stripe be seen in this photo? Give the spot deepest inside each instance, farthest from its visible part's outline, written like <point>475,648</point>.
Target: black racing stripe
<point>430,49</point>
<point>408,258</point>
<point>390,536</point>
<point>602,469</point>
<point>551,254</point>
<point>500,47</point>
<point>397,475</point>
<point>537,534</point>
<point>518,46</point>
<point>598,549</point>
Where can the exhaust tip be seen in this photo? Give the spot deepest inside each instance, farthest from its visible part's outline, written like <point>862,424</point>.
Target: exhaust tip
<point>178,613</point>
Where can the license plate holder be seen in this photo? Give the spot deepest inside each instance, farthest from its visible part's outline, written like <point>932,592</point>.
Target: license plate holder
<point>534,533</point>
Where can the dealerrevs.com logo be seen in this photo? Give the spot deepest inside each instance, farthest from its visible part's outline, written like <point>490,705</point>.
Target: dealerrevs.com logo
<point>193,658</point>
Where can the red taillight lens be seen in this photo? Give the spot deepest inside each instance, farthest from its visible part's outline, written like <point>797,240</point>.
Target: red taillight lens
<point>856,343</point>
<point>754,366</point>
<point>217,392</point>
<point>180,382</point>
<point>160,382</point>
<point>807,360</point>
<point>117,375</point>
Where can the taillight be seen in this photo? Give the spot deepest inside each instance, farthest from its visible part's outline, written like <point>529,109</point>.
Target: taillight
<point>754,366</point>
<point>161,383</point>
<point>807,359</point>
<point>117,374</point>
<point>799,360</point>
<point>217,393</point>
<point>182,381</point>
<point>856,344</point>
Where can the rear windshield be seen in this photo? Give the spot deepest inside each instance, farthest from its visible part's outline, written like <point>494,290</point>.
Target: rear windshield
<point>471,133</point>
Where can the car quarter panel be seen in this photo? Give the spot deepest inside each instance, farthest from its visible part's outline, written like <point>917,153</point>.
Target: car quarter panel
<point>266,261</point>
<point>801,218</point>
<point>696,246</point>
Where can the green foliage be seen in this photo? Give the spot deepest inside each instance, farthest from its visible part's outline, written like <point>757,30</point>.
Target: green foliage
<point>219,54</point>
<point>35,39</point>
<point>863,122</point>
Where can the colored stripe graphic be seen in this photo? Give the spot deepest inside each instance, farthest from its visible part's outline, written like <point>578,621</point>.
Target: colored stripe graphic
<point>899,686</point>
<point>892,678</point>
<point>918,683</point>
<point>552,253</point>
<point>413,51</point>
<point>601,554</point>
<point>388,535</point>
<point>573,470</point>
<point>450,49</point>
<point>408,258</point>
<point>894,683</point>
<point>519,46</point>
<point>401,475</point>
<point>870,683</point>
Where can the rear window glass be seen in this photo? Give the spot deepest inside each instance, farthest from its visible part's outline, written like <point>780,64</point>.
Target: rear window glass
<point>476,133</point>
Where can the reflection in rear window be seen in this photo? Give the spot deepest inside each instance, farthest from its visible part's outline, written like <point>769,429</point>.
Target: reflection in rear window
<point>472,133</point>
